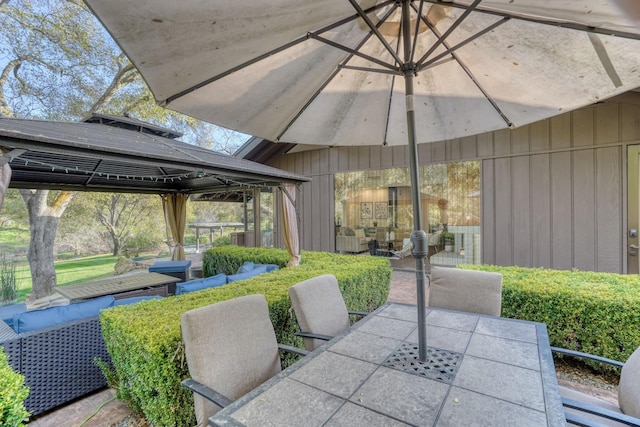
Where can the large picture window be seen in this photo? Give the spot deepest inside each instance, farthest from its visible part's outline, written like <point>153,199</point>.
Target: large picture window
<point>374,212</point>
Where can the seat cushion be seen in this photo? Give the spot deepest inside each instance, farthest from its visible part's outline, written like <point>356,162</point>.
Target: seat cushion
<point>8,311</point>
<point>247,266</point>
<point>242,276</point>
<point>466,290</point>
<point>319,308</point>
<point>135,300</point>
<point>38,319</point>
<point>198,285</point>
<point>231,347</point>
<point>629,387</point>
<point>269,267</point>
<point>170,266</point>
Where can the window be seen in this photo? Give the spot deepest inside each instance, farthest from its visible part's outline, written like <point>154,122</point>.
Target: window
<point>378,202</point>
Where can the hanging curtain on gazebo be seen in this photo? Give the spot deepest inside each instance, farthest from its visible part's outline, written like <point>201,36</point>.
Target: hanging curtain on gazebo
<point>175,212</point>
<point>290,220</point>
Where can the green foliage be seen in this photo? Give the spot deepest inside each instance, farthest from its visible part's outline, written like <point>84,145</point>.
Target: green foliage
<point>144,340</point>
<point>8,280</point>
<point>447,238</point>
<point>13,392</point>
<point>597,313</point>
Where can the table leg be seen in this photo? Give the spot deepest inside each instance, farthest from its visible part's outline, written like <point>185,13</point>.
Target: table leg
<point>197,240</point>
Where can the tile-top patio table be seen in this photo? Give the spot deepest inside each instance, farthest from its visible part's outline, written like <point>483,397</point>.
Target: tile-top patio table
<point>481,371</point>
<point>134,285</point>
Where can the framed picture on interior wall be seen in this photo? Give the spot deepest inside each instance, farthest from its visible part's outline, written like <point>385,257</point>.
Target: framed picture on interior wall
<point>366,210</point>
<point>381,210</point>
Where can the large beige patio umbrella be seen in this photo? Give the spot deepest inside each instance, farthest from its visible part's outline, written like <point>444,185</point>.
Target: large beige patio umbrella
<point>385,72</point>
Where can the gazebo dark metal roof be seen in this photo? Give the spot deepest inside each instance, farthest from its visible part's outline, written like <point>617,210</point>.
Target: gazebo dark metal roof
<point>93,156</point>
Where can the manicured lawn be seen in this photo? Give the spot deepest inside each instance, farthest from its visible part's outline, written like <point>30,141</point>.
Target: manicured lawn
<point>69,271</point>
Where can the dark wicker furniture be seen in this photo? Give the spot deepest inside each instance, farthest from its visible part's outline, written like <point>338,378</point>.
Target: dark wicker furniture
<point>57,362</point>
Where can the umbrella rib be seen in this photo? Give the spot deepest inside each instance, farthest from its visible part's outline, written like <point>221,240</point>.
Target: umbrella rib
<point>375,30</point>
<point>416,30</point>
<point>394,72</point>
<point>268,54</point>
<point>450,50</point>
<point>468,72</point>
<point>354,52</point>
<point>393,82</point>
<point>561,24</point>
<point>336,71</point>
<point>450,30</point>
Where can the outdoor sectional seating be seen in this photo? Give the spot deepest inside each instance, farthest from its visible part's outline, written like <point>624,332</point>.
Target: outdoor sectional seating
<point>55,348</point>
<point>246,271</point>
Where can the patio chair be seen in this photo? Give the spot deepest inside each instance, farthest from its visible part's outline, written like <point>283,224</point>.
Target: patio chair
<point>320,310</point>
<point>231,349</point>
<point>466,290</point>
<point>407,245</point>
<point>584,410</point>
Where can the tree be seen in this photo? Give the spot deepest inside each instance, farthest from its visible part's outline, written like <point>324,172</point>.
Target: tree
<point>43,223</point>
<point>58,63</point>
<point>121,213</point>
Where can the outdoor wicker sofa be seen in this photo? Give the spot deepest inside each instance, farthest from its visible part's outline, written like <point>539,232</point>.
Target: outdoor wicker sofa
<point>58,361</point>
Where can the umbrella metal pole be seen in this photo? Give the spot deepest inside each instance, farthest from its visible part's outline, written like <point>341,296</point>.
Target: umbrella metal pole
<point>418,237</point>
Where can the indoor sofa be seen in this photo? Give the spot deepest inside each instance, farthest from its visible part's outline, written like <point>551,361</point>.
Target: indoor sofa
<point>349,240</point>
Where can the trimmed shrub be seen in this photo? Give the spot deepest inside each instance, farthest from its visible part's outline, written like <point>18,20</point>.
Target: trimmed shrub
<point>13,392</point>
<point>597,313</point>
<point>144,340</point>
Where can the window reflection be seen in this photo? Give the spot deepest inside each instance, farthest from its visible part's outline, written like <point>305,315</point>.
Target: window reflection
<point>374,212</point>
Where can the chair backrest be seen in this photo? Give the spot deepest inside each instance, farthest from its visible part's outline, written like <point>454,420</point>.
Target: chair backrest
<point>231,347</point>
<point>629,387</point>
<point>319,308</point>
<point>466,290</point>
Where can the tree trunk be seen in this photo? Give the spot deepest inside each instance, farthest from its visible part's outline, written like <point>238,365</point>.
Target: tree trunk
<point>117,248</point>
<point>43,224</point>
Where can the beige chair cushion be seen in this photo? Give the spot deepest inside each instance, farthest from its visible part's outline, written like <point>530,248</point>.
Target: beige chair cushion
<point>466,290</point>
<point>231,347</point>
<point>319,308</point>
<point>629,387</point>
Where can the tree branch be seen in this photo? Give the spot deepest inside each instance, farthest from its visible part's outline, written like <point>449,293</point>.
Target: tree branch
<point>5,110</point>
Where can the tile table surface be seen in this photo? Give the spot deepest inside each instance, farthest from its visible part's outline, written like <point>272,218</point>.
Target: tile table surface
<point>483,371</point>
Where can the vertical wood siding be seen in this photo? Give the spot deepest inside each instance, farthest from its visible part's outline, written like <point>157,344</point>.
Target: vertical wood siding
<point>553,192</point>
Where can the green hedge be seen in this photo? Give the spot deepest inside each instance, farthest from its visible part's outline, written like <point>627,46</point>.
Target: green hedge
<point>13,392</point>
<point>144,340</point>
<point>597,313</point>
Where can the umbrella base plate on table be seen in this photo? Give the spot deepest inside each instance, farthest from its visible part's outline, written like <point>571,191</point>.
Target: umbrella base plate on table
<point>441,365</point>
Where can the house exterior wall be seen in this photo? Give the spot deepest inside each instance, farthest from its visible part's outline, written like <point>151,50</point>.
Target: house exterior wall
<point>553,192</point>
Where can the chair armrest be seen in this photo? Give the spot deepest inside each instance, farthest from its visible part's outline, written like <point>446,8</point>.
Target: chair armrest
<point>587,356</point>
<point>206,392</point>
<point>290,349</point>
<point>358,313</point>
<point>601,412</point>
<point>577,420</point>
<point>312,335</point>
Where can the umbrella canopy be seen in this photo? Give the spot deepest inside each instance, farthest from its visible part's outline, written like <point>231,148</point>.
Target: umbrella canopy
<point>391,72</point>
<point>300,72</point>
